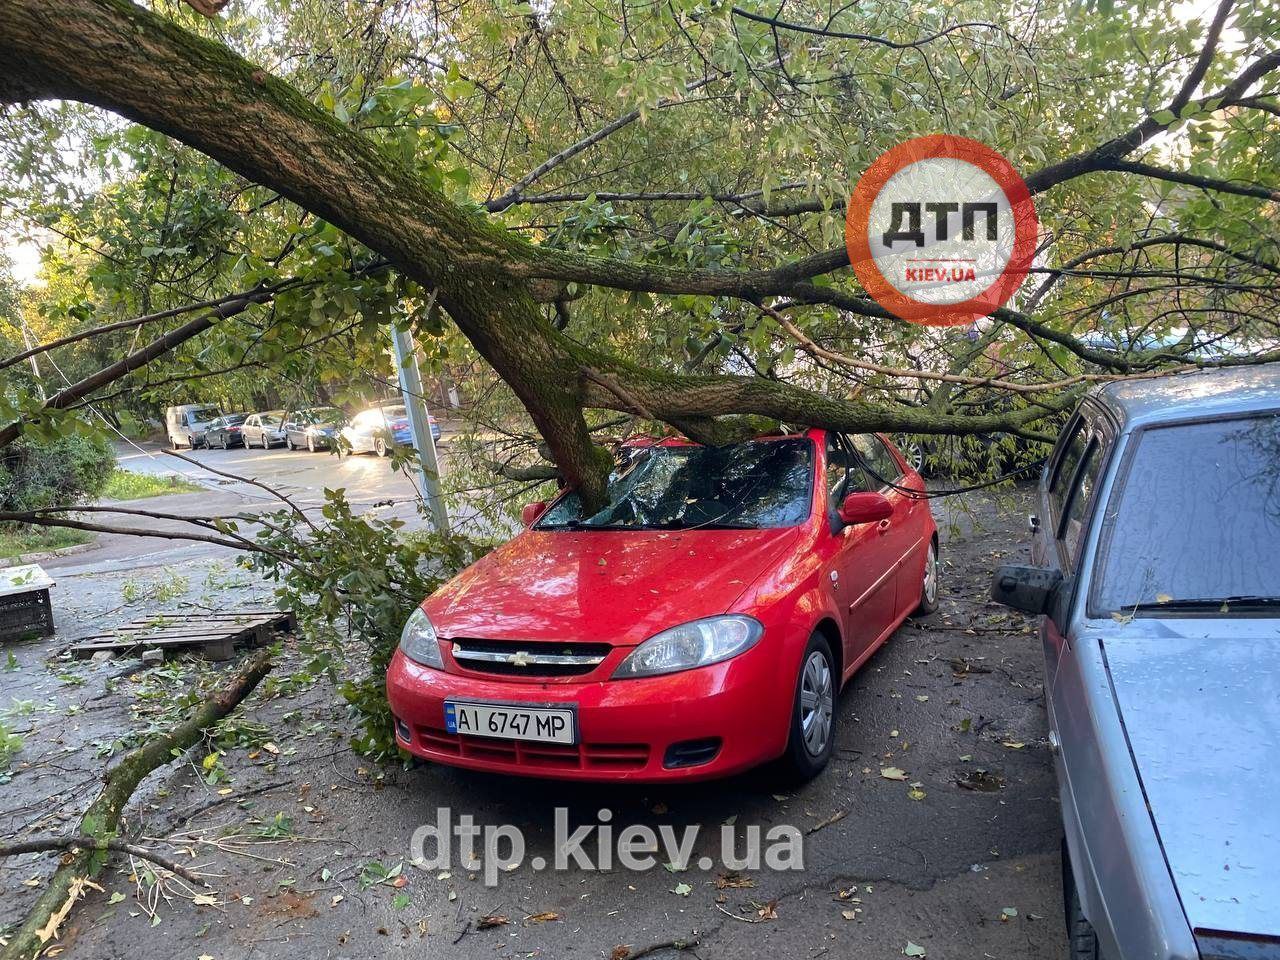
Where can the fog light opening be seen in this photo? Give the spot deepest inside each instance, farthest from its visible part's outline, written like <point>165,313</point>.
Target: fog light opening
<point>402,731</point>
<point>691,753</point>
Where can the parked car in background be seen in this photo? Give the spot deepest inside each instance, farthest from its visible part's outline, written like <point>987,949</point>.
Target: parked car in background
<point>380,428</point>
<point>314,428</point>
<point>186,424</point>
<point>263,430</point>
<point>225,431</point>
<point>1155,550</point>
<point>699,624</point>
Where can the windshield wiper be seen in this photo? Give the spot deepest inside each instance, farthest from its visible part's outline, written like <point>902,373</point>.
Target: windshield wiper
<point>1205,603</point>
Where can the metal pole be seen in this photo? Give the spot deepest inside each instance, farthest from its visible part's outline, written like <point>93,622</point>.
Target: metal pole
<point>406,353</point>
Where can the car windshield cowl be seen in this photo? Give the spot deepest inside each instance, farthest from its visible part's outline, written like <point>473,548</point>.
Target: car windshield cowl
<point>668,525</point>
<point>1208,603</point>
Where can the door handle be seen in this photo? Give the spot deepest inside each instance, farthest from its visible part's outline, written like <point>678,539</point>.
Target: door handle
<point>883,526</point>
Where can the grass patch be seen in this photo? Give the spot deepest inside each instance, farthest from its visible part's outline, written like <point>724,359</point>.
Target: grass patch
<point>15,541</point>
<point>127,485</point>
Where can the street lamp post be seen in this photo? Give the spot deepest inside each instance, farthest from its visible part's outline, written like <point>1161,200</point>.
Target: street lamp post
<point>406,353</point>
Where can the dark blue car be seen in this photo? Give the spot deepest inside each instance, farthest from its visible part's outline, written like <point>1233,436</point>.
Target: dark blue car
<point>380,428</point>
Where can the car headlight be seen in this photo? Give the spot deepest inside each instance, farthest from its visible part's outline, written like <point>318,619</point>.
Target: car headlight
<point>694,644</point>
<point>419,643</point>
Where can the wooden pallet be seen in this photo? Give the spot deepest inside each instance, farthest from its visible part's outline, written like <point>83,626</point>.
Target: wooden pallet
<point>216,635</point>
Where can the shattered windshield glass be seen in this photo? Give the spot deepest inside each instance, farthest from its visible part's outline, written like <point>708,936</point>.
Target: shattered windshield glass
<point>759,484</point>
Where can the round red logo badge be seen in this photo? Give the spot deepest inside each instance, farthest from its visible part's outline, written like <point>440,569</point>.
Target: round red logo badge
<point>941,230</point>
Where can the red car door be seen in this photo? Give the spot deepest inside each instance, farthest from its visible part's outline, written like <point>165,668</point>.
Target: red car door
<point>862,568</point>
<point>906,533</point>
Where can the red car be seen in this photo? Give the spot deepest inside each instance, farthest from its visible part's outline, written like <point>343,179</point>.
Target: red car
<point>701,624</point>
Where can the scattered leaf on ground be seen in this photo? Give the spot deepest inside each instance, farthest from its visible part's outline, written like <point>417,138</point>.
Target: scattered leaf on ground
<point>682,890</point>
<point>490,921</point>
<point>834,818</point>
<point>913,950</point>
<point>893,773</point>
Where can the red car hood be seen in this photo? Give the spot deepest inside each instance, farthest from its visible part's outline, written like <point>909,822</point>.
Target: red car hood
<point>618,587</point>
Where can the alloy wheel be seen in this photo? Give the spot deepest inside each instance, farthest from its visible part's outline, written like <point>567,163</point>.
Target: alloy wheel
<point>931,575</point>
<point>817,702</point>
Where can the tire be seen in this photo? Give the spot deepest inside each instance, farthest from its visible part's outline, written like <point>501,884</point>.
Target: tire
<point>809,745</point>
<point>226,442</point>
<point>1082,942</point>
<point>288,443</point>
<point>380,447</point>
<point>929,585</point>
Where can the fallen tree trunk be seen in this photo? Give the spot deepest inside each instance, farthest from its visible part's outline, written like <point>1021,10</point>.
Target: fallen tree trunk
<point>102,818</point>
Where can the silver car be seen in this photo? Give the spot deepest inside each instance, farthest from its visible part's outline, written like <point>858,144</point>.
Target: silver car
<point>1157,552</point>
<point>263,430</point>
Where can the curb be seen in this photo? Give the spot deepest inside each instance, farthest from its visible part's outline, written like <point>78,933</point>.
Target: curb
<point>51,554</point>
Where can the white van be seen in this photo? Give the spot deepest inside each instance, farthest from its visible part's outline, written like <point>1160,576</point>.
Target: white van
<point>186,424</point>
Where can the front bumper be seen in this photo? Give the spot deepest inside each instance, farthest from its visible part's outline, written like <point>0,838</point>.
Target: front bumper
<point>625,727</point>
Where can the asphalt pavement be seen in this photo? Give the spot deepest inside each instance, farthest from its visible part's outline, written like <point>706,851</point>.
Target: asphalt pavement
<point>934,832</point>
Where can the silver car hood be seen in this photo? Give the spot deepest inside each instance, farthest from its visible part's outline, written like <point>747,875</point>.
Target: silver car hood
<point>1200,703</point>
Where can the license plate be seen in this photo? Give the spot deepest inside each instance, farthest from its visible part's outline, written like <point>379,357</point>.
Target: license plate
<point>510,721</point>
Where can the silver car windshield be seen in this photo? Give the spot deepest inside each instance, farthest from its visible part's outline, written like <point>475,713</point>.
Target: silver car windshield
<point>1195,521</point>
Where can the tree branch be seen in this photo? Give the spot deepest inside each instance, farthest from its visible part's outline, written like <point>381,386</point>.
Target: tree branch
<point>777,24</point>
<point>82,842</point>
<point>1193,180</point>
<point>513,195</point>
<point>149,318</point>
<point>139,358</point>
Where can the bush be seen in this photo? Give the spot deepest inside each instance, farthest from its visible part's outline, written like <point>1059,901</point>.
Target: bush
<point>352,582</point>
<point>36,473</point>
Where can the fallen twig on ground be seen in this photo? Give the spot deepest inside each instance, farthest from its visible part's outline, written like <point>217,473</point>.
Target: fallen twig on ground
<point>87,843</point>
<point>103,816</point>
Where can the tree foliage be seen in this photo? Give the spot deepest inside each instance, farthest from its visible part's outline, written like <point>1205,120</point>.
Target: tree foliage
<point>636,208</point>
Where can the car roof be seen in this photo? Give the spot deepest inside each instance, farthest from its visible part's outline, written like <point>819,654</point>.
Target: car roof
<point>1190,396</point>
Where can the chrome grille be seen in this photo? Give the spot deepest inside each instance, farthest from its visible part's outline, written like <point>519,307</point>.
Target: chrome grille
<point>541,659</point>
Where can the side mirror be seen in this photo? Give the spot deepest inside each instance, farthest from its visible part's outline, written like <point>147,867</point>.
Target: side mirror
<point>864,508</point>
<point>1029,589</point>
<point>532,511</point>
